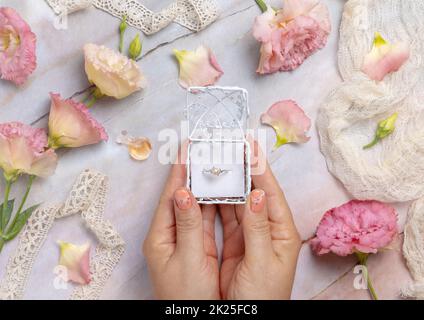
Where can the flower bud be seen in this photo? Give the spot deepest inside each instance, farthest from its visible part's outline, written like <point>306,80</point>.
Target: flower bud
<point>135,47</point>
<point>123,25</point>
<point>386,126</point>
<point>122,28</point>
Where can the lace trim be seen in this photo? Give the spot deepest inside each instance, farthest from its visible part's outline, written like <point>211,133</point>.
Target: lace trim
<point>192,14</point>
<point>87,198</point>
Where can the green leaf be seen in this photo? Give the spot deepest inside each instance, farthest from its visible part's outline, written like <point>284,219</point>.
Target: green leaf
<point>14,230</point>
<point>8,212</point>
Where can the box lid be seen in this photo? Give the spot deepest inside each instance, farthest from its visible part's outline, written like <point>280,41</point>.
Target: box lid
<point>217,113</point>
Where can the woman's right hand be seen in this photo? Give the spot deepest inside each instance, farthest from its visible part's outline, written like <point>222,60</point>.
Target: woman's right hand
<point>261,244</point>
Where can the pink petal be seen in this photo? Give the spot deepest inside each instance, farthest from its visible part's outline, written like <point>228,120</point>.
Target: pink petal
<point>71,124</point>
<point>44,165</point>
<point>263,26</point>
<point>76,259</point>
<point>384,58</point>
<point>17,47</point>
<point>314,9</point>
<point>289,122</point>
<point>198,68</point>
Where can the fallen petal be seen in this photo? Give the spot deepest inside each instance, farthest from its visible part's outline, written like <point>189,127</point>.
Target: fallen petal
<point>76,259</point>
<point>289,122</point>
<point>198,68</point>
<point>384,58</point>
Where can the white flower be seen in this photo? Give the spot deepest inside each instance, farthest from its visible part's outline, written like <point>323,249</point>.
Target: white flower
<point>113,73</point>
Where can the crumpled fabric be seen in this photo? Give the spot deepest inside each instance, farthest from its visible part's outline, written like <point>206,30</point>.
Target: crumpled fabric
<point>392,170</point>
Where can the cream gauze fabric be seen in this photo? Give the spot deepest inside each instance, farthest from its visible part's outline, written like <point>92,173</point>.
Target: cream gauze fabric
<point>87,198</point>
<point>192,14</point>
<point>413,249</point>
<point>393,170</point>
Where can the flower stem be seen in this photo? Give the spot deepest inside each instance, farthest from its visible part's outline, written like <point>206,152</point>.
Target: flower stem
<point>76,94</point>
<point>21,206</point>
<point>91,102</point>
<point>5,203</point>
<point>371,288</point>
<point>262,5</point>
<point>121,42</point>
<point>372,144</point>
<point>362,258</point>
<point>28,188</point>
<point>1,244</point>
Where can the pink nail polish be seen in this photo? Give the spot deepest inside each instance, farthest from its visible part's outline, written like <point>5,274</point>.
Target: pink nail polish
<point>182,199</point>
<point>257,200</point>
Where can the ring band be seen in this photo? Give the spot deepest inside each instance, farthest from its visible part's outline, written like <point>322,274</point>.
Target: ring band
<point>215,171</point>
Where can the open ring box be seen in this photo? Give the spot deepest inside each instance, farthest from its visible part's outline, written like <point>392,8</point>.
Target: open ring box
<point>218,161</point>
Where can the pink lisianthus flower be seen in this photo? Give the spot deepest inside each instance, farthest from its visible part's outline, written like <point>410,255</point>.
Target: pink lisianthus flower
<point>290,35</point>
<point>357,226</point>
<point>71,125</point>
<point>17,47</point>
<point>23,150</point>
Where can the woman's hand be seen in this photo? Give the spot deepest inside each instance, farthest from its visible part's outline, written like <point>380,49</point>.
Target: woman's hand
<point>180,248</point>
<point>261,244</point>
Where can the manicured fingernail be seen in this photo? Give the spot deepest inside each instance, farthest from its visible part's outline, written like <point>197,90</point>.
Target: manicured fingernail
<point>183,199</point>
<point>257,200</point>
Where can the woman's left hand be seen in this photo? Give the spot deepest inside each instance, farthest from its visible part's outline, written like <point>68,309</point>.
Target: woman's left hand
<point>180,247</point>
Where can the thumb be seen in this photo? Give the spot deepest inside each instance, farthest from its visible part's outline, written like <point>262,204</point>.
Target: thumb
<point>189,222</point>
<point>256,227</point>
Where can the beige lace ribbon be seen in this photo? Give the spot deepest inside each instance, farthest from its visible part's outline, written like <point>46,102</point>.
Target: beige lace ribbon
<point>192,14</point>
<point>87,198</point>
<point>393,170</point>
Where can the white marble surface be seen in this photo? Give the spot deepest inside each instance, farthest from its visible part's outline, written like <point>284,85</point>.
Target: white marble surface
<point>136,186</point>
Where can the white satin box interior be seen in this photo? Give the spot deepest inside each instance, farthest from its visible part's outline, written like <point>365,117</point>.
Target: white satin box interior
<point>218,162</point>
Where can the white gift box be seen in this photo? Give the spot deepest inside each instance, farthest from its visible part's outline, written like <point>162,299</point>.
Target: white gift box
<point>218,162</point>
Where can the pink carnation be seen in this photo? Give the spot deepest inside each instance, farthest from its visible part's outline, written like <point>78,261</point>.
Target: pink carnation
<point>17,47</point>
<point>357,226</point>
<point>71,125</point>
<point>291,34</point>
